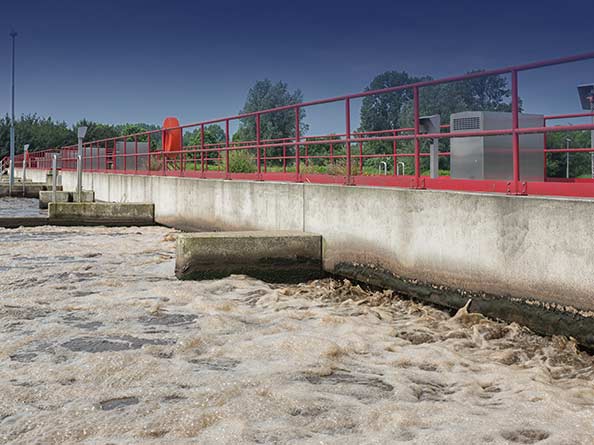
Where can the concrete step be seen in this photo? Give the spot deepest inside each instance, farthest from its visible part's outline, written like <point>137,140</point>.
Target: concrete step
<point>272,256</point>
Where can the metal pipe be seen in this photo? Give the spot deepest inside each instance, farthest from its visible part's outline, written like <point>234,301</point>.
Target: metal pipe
<point>417,140</point>
<point>515,135</point>
<point>12,151</point>
<point>385,165</point>
<point>54,176</point>
<point>297,148</point>
<point>24,176</point>
<point>227,138</point>
<point>258,160</point>
<point>403,166</point>
<point>567,142</point>
<point>78,178</point>
<point>347,108</point>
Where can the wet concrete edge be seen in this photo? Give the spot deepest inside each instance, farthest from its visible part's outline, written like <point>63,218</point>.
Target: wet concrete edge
<point>541,317</point>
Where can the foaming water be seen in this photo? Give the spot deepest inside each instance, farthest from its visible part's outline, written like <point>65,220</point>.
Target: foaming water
<point>99,343</point>
<point>23,207</point>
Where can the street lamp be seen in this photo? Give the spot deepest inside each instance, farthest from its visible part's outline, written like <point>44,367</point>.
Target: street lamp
<point>13,35</point>
<point>82,131</point>
<point>586,94</point>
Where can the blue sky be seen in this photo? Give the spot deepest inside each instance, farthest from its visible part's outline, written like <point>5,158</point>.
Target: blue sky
<point>139,61</point>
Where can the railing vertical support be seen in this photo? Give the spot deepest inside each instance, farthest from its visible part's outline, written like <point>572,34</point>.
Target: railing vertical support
<point>202,150</point>
<point>125,154</point>
<point>227,139</point>
<point>417,180</point>
<point>148,153</point>
<point>54,176</point>
<point>395,153</point>
<point>113,156</point>
<point>258,157</point>
<point>136,154</point>
<point>163,157</point>
<point>516,188</point>
<point>297,145</point>
<point>347,109</point>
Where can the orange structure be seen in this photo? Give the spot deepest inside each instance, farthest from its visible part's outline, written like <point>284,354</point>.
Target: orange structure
<point>172,139</point>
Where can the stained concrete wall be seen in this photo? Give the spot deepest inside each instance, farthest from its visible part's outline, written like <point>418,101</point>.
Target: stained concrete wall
<point>527,247</point>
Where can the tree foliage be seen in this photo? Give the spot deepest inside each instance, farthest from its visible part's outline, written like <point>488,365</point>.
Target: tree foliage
<point>265,95</point>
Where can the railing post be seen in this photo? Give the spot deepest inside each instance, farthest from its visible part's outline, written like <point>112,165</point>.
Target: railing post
<point>148,152</point>
<point>297,145</point>
<point>79,169</point>
<point>361,158</point>
<point>417,180</point>
<point>136,153</point>
<point>516,188</point>
<point>258,159</point>
<point>114,156</point>
<point>163,157</point>
<point>202,150</point>
<point>395,153</point>
<point>227,139</point>
<point>347,109</point>
<point>54,176</point>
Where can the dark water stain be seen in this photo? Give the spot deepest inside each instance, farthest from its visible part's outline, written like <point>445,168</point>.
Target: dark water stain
<point>89,326</point>
<point>110,344</point>
<point>216,364</point>
<point>166,319</point>
<point>173,398</point>
<point>23,357</point>
<point>108,405</point>
<point>526,436</point>
<point>336,378</point>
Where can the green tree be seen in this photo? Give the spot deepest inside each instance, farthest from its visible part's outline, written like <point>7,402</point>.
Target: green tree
<point>40,133</point>
<point>384,111</point>
<point>213,134</point>
<point>95,130</point>
<point>579,163</point>
<point>265,95</point>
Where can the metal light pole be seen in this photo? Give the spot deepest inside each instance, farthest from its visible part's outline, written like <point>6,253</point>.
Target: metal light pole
<point>82,131</point>
<point>11,173</point>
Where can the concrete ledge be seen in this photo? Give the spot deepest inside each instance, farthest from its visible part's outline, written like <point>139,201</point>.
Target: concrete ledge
<point>45,197</point>
<point>272,256</point>
<point>31,190</point>
<point>28,221</point>
<point>101,213</point>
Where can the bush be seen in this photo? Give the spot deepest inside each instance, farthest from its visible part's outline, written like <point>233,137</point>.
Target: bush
<point>240,161</point>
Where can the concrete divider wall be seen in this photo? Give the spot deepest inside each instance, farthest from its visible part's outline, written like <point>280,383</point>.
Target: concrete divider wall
<point>526,247</point>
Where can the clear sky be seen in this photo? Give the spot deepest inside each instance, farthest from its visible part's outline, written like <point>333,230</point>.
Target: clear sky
<point>139,61</point>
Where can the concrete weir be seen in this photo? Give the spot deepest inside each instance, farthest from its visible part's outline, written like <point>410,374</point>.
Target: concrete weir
<point>273,256</point>
<point>101,213</point>
<point>519,258</point>
<point>45,197</point>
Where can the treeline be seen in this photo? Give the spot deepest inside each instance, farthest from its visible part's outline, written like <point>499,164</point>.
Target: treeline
<point>43,132</point>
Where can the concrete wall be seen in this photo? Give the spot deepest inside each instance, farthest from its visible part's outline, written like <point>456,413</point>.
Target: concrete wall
<point>527,247</point>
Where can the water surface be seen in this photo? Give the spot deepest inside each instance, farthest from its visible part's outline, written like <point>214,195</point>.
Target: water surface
<point>99,343</point>
<point>20,207</point>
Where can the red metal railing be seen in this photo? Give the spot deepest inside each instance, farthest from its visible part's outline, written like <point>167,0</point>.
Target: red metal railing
<point>334,158</point>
